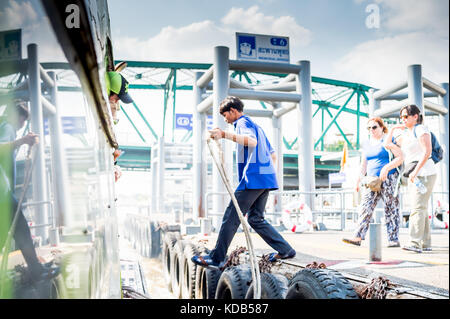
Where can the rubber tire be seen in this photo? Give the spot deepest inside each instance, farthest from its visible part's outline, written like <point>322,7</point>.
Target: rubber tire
<point>234,282</point>
<point>206,281</point>
<point>320,284</point>
<point>189,272</point>
<point>170,239</point>
<point>155,240</point>
<point>273,286</point>
<point>176,268</point>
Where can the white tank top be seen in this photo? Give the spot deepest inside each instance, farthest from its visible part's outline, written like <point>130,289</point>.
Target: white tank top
<point>413,151</point>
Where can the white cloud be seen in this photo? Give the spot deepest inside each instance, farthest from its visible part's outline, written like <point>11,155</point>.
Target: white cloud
<point>15,15</point>
<point>413,15</point>
<point>191,43</point>
<point>383,62</point>
<point>254,21</point>
<point>35,29</point>
<point>195,42</point>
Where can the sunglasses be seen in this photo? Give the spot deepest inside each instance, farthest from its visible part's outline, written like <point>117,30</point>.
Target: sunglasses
<point>372,127</point>
<point>404,117</point>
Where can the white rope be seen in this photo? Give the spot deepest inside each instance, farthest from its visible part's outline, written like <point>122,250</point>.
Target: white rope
<point>255,268</point>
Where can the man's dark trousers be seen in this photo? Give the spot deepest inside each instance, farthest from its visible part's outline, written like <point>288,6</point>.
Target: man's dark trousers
<point>23,239</point>
<point>253,203</point>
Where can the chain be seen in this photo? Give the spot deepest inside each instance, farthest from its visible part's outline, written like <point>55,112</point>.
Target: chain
<point>233,259</point>
<point>376,289</point>
<point>265,265</point>
<point>315,265</point>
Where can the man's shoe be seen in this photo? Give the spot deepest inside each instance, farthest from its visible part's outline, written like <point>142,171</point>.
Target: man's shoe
<point>412,248</point>
<point>393,244</point>
<point>47,273</point>
<point>205,261</point>
<point>276,256</point>
<point>352,241</point>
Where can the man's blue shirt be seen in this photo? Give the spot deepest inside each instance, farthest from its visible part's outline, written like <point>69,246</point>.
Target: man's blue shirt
<point>255,167</point>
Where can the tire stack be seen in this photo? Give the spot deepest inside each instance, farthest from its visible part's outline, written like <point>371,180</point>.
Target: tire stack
<point>189,281</point>
<point>144,236</point>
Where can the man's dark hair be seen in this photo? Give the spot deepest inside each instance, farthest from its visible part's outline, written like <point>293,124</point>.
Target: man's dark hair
<point>231,102</point>
<point>16,109</point>
<point>413,110</point>
<point>22,109</point>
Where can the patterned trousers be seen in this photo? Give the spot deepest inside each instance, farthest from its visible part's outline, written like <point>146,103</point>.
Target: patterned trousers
<point>391,209</point>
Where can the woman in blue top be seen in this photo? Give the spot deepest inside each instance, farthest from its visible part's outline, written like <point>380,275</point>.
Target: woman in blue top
<point>376,162</point>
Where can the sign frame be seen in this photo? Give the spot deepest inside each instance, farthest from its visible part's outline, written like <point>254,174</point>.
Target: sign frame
<point>262,48</point>
<point>9,51</point>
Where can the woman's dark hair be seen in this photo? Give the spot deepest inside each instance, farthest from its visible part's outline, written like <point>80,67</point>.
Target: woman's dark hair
<point>231,102</point>
<point>413,110</point>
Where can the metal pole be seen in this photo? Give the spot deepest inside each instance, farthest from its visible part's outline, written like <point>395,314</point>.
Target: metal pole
<point>59,162</point>
<point>306,172</point>
<point>374,104</point>
<point>40,188</point>
<point>415,86</point>
<point>154,168</point>
<point>444,129</point>
<point>221,86</point>
<point>161,168</point>
<point>277,129</point>
<point>375,242</point>
<point>199,167</point>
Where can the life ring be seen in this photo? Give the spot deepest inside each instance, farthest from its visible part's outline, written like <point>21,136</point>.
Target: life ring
<point>440,208</point>
<point>305,218</point>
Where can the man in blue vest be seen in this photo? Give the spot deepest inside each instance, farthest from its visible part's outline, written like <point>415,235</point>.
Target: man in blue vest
<point>257,176</point>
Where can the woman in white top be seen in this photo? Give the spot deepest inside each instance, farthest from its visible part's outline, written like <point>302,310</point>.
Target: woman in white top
<point>415,142</point>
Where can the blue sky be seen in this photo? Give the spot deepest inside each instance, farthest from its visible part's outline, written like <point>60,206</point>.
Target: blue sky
<point>332,34</point>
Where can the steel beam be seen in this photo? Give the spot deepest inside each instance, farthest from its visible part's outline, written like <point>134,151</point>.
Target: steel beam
<point>306,176</point>
<point>40,187</point>
<point>221,88</point>
<point>378,95</point>
<point>199,162</point>
<point>250,66</point>
<point>415,86</point>
<point>433,87</point>
<point>265,95</point>
<point>444,140</point>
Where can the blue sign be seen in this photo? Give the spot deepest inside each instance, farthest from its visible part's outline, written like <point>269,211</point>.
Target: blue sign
<point>336,178</point>
<point>70,125</point>
<point>185,122</point>
<point>258,47</point>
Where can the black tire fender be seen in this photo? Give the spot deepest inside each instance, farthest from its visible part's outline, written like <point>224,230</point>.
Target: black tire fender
<point>320,284</point>
<point>169,240</point>
<point>155,240</point>
<point>176,267</point>
<point>206,283</point>
<point>189,272</point>
<point>234,282</point>
<point>273,286</point>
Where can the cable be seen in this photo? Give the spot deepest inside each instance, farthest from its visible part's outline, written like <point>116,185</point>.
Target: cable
<point>255,268</point>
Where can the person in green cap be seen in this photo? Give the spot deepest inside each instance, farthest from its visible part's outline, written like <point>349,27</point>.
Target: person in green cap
<point>117,87</point>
